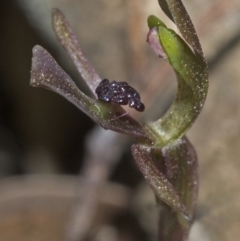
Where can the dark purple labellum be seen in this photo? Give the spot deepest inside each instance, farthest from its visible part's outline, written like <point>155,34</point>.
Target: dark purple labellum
<point>120,93</point>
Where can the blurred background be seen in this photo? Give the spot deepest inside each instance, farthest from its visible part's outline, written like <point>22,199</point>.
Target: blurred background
<point>52,155</point>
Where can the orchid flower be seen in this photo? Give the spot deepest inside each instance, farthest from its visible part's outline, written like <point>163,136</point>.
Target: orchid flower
<point>163,154</point>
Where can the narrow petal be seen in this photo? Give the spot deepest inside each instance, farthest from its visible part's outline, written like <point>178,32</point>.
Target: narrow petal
<point>68,40</point>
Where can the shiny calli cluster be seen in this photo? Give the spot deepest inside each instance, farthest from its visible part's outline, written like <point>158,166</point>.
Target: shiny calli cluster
<point>120,93</point>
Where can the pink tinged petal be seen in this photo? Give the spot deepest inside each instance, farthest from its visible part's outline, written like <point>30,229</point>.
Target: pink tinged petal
<point>153,40</point>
